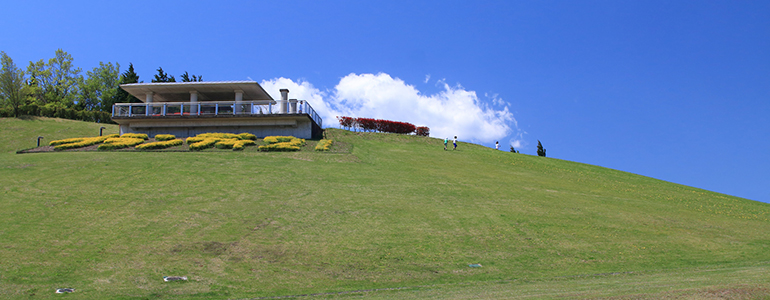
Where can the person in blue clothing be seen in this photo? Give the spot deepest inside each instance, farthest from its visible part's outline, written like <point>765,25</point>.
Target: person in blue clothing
<point>454,142</point>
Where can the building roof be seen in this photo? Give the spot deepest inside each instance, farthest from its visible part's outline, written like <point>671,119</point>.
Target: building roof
<point>207,90</point>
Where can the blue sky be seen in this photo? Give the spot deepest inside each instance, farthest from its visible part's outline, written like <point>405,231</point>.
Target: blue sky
<point>675,90</point>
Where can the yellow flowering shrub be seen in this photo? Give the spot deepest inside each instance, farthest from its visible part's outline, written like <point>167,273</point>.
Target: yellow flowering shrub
<point>204,144</point>
<point>159,145</point>
<point>323,145</point>
<point>293,144</point>
<point>135,136</point>
<point>247,136</point>
<point>79,142</point>
<point>119,143</point>
<point>164,137</point>
<point>278,139</point>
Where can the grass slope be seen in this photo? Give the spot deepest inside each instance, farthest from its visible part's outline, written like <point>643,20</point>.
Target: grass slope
<point>389,211</point>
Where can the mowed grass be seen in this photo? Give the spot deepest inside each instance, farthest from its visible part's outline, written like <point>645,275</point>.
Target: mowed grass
<point>384,211</point>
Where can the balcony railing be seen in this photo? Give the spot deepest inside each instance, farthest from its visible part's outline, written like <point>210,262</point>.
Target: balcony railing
<point>211,108</point>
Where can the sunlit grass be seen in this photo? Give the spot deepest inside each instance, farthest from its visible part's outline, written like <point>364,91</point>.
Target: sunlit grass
<point>378,211</point>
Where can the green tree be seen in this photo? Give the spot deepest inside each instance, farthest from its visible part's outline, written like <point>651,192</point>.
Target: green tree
<point>11,84</point>
<point>186,77</point>
<point>540,149</point>
<point>129,76</point>
<point>56,82</point>
<point>99,89</point>
<point>163,76</point>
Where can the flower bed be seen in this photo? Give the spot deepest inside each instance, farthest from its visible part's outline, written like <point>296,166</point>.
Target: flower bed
<point>221,140</point>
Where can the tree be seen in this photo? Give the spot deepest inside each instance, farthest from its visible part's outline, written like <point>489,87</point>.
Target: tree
<point>186,77</point>
<point>56,82</point>
<point>129,76</point>
<point>163,76</point>
<point>540,149</point>
<point>513,150</point>
<point>11,83</point>
<point>100,88</point>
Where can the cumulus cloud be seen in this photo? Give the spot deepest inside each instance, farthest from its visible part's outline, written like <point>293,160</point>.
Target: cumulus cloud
<point>449,112</point>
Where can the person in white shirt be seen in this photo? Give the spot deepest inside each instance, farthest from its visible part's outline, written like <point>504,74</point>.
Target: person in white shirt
<point>454,142</point>
<point>497,145</point>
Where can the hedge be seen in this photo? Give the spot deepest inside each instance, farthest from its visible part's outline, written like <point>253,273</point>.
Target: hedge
<point>369,124</point>
<point>204,144</point>
<point>160,145</point>
<point>323,145</point>
<point>119,143</point>
<point>293,144</point>
<point>278,139</point>
<point>79,142</point>
<point>135,136</point>
<point>164,137</point>
<point>234,144</point>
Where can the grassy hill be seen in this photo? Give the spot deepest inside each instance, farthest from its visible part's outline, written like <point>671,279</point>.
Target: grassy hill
<point>390,215</point>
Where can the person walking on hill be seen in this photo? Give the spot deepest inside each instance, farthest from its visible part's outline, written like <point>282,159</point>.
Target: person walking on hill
<point>446,141</point>
<point>454,142</point>
<point>497,145</point>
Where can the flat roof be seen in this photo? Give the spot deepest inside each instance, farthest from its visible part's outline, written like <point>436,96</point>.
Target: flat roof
<point>207,91</point>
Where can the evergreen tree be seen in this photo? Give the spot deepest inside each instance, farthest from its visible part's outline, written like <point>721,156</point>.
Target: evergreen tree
<point>513,150</point>
<point>540,149</point>
<point>186,77</point>
<point>129,76</point>
<point>163,76</point>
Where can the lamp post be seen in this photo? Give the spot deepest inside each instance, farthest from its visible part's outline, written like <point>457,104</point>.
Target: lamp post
<point>38,140</point>
<point>100,130</point>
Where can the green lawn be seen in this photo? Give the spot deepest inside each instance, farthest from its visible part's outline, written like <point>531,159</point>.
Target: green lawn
<point>381,211</point>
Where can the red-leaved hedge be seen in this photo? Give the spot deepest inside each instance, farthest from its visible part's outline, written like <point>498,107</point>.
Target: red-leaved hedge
<point>377,125</point>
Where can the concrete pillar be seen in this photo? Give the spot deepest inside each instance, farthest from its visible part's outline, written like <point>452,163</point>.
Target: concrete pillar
<point>283,106</point>
<point>193,102</point>
<point>292,106</point>
<point>148,101</point>
<point>238,102</point>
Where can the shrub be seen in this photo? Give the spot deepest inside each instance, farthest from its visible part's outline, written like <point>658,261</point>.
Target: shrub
<point>423,131</point>
<point>120,143</point>
<point>323,145</point>
<point>160,145</point>
<point>247,136</point>
<point>293,144</point>
<point>219,135</point>
<point>135,136</point>
<point>204,144</point>
<point>164,137</point>
<point>278,139</point>
<point>194,139</point>
<point>79,142</point>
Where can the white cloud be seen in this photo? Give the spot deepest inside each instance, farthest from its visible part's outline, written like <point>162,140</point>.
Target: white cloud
<point>427,78</point>
<point>452,111</point>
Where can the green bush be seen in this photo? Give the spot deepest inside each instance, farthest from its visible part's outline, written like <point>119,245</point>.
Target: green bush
<point>159,145</point>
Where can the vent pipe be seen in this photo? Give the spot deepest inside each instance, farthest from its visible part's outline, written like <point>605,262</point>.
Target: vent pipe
<point>283,106</point>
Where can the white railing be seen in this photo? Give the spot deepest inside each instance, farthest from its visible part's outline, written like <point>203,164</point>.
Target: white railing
<point>211,108</point>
